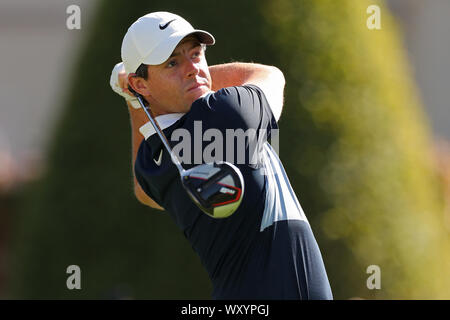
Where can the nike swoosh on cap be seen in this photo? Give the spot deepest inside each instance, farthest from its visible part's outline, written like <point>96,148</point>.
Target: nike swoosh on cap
<point>162,27</point>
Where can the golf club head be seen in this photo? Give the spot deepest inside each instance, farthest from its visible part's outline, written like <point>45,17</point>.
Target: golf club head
<point>216,188</point>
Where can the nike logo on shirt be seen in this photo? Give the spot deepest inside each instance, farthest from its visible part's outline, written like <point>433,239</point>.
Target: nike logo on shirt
<point>158,163</point>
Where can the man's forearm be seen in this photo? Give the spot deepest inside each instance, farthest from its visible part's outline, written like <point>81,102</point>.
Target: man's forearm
<point>268,78</point>
<point>235,73</point>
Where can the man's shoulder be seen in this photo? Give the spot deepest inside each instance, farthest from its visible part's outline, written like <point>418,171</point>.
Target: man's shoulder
<point>238,90</point>
<point>231,107</point>
<point>232,97</point>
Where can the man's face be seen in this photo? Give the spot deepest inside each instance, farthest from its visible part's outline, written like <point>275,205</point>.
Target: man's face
<point>183,78</point>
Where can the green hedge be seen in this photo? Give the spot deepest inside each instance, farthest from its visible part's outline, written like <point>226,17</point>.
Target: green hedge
<point>353,140</point>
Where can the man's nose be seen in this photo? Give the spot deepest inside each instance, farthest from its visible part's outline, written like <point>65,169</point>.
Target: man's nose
<point>192,68</point>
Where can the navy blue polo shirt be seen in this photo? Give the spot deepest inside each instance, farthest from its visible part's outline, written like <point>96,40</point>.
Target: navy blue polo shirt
<point>266,249</point>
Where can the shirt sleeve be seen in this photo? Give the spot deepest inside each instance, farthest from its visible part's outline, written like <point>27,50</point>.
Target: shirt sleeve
<point>244,107</point>
<point>143,159</point>
<point>244,118</point>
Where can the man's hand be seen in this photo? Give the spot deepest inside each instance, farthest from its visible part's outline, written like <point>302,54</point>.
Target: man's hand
<point>119,84</point>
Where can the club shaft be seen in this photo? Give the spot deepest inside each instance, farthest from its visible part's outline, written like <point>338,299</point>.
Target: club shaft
<point>161,135</point>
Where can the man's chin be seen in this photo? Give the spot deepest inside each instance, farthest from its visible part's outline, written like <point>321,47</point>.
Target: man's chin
<point>199,92</point>
<point>203,95</point>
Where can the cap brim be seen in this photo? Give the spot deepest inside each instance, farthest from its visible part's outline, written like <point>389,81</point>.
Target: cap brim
<point>162,52</point>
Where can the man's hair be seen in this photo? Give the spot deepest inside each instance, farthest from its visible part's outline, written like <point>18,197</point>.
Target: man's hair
<point>142,71</point>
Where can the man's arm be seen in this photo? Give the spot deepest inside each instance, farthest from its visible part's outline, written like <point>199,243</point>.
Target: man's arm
<point>268,78</point>
<point>138,119</point>
<point>119,84</point>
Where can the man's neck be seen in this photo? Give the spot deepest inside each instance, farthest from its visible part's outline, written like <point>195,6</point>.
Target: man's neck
<point>156,111</point>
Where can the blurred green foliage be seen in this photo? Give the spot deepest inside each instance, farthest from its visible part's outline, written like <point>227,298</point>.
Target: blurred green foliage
<point>353,138</point>
<point>362,165</point>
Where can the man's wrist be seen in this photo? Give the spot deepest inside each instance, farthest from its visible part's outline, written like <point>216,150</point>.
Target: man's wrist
<point>134,103</point>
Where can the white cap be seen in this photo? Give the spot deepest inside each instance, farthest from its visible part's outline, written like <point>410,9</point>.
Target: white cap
<point>152,38</point>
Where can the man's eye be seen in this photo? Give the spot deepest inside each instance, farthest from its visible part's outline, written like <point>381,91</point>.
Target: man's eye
<point>172,64</point>
<point>196,54</point>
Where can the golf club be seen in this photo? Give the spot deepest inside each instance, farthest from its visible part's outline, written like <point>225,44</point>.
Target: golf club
<point>216,188</point>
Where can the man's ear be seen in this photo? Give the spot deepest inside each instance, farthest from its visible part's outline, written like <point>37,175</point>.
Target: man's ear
<point>138,84</point>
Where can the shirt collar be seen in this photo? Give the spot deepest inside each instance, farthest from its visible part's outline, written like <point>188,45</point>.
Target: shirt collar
<point>164,121</point>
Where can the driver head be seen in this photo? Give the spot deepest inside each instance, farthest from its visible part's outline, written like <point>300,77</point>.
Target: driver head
<point>216,188</point>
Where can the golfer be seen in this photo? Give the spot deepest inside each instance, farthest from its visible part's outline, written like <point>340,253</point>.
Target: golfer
<point>266,248</point>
